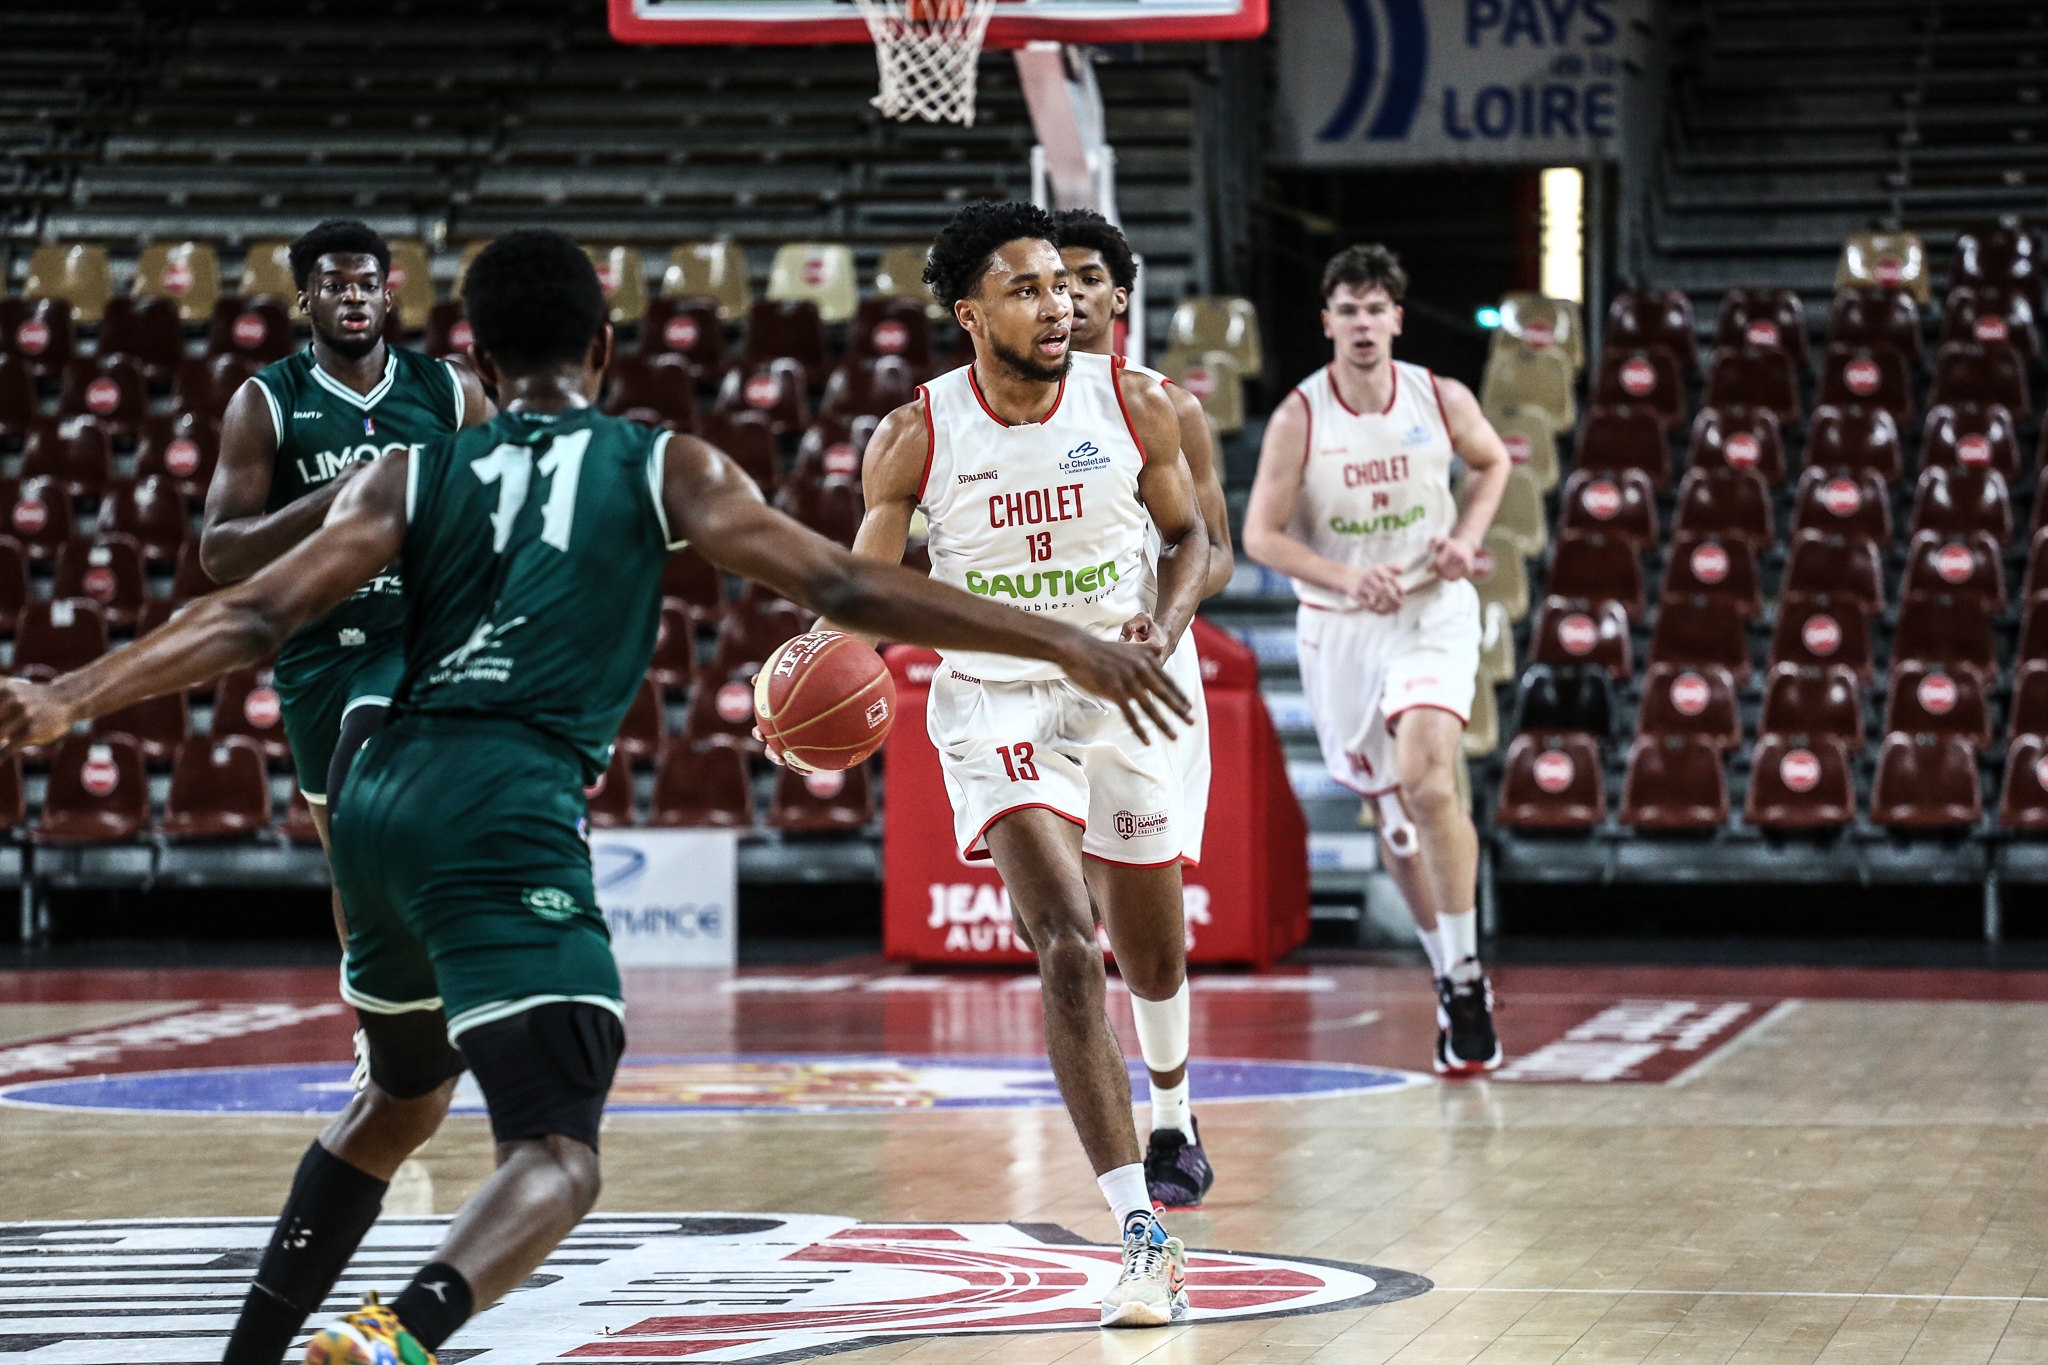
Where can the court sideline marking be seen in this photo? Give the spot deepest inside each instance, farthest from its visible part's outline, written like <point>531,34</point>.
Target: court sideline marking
<point>1772,1017</point>
<point>1757,1294</point>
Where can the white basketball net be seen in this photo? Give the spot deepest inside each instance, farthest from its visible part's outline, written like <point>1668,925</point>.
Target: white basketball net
<point>928,52</point>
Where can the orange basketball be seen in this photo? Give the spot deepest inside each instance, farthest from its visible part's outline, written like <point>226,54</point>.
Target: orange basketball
<point>824,702</point>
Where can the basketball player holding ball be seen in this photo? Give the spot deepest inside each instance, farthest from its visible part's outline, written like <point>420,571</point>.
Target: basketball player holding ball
<point>1052,483</point>
<point>1353,502</point>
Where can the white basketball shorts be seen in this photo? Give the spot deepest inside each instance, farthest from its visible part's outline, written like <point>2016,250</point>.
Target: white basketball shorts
<point>1360,670</point>
<point>1010,746</point>
<point>1190,747</point>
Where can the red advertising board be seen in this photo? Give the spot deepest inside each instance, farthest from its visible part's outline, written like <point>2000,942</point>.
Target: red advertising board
<point>1247,902</point>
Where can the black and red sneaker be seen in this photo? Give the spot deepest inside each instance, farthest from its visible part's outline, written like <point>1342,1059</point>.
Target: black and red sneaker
<point>1177,1172</point>
<point>1466,1044</point>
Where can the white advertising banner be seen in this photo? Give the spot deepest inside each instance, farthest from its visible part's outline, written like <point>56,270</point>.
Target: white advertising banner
<point>669,896</point>
<point>1386,82</point>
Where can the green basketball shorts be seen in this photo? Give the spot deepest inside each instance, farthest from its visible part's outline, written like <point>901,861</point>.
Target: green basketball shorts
<point>318,688</point>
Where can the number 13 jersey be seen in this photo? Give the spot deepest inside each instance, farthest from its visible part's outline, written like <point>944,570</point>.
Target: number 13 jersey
<point>1043,516</point>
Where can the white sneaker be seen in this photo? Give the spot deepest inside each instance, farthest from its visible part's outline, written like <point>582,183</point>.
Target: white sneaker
<point>1153,1289</point>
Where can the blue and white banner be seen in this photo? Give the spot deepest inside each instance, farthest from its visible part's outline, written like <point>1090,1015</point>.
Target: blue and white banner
<point>1377,82</point>
<point>670,896</point>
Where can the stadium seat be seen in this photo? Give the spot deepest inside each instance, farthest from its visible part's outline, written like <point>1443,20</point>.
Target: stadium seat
<point>1867,374</point>
<point>1991,315</point>
<point>1623,505</point>
<point>1565,698</point>
<point>623,276</point>
<point>1674,785</point>
<point>1799,783</point>
<point>1496,645</point>
<point>1967,565</point>
<point>1624,436</point>
<point>1889,260</point>
<point>185,273</point>
<point>57,636</point>
<point>690,579</point>
<point>13,802</point>
<point>112,390</point>
<point>2023,797</point>
<point>643,734</point>
<point>773,388</point>
<point>1729,503</point>
<point>1946,629</point>
<point>108,569</point>
<point>749,634</point>
<point>1814,628</point>
<point>1531,444</point>
<point>1721,567</point>
<point>1999,255</point>
<point>831,507</point>
<point>1847,567</point>
<point>410,282</point>
<point>267,272</point>
<point>448,332</point>
<point>2033,628</point>
<point>39,516</point>
<point>790,328</point>
<point>98,792</point>
<point>832,448</point>
<point>298,827</point>
<point>1518,379</point>
<point>245,702</point>
<point>822,801</point>
<point>158,725</point>
<point>1700,632</point>
<point>42,336</point>
<point>1877,318</point>
<point>257,329</point>
<point>1213,379</point>
<point>13,583</point>
<point>660,392</point>
<point>1767,319</point>
<point>609,804</point>
<point>892,327</point>
<point>674,665</point>
<point>1734,436</point>
<point>868,387</point>
<point>749,438</point>
<point>820,272</point>
<point>151,509</point>
<point>1925,783</point>
<point>1654,317</point>
<point>1552,782</point>
<point>1812,700</point>
<point>2037,565</point>
<point>1959,501</point>
<point>1520,514</point>
<point>1682,699</point>
<point>1642,376</point>
<point>1224,323</point>
<point>1575,631</point>
<point>702,785</point>
<point>1501,576</point>
<point>1754,377</point>
<point>1981,372</point>
<point>688,328</point>
<point>1927,699</point>
<point>1971,436</point>
<point>147,331</point>
<point>183,449</point>
<point>219,790</point>
<point>76,455</point>
<point>188,580</point>
<point>18,406</point>
<point>1598,567</point>
<point>710,270</point>
<point>204,387</point>
<point>1843,504</point>
<point>1482,727</point>
<point>76,272</point>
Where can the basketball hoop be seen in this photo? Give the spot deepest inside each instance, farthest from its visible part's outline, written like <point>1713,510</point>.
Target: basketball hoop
<point>928,52</point>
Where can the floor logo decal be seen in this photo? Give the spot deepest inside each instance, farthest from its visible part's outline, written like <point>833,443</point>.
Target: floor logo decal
<point>641,1287</point>
<point>765,1084</point>
<point>1638,1040</point>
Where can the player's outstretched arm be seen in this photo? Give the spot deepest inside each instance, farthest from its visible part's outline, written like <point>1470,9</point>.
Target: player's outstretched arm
<point>891,482</point>
<point>1168,492</point>
<point>1198,448</point>
<point>719,510</point>
<point>1486,460</point>
<point>232,628</point>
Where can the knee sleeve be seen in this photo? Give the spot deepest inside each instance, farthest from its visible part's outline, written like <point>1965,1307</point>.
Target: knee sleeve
<point>547,1070</point>
<point>357,725</point>
<point>408,1055</point>
<point>1162,1028</point>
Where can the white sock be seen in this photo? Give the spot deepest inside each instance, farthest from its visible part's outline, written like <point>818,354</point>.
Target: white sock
<point>1124,1188</point>
<point>1170,1109</point>
<point>1460,934</point>
<point>1432,945</point>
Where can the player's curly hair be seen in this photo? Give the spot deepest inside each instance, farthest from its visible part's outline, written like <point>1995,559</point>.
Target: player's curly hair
<point>1363,266</point>
<point>960,255</point>
<point>533,300</point>
<point>1089,230</point>
<point>338,236</point>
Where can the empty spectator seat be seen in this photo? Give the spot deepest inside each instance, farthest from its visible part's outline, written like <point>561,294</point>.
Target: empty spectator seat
<point>2023,800</point>
<point>1730,503</point>
<point>1999,255</point>
<point>1674,785</point>
<point>623,277</point>
<point>657,393</point>
<point>13,803</point>
<point>1697,700</point>
<point>13,583</point>
<point>1714,566</point>
<point>219,790</point>
<point>42,336</point>
<point>1814,628</point>
<point>158,725</point>
<point>267,269</point>
<point>188,579</point>
<point>108,569</point>
<point>1967,565</point>
<point>1517,379</point>
<point>674,665</point>
<point>786,329</point>
<point>1844,504</point>
<point>76,272</point>
<point>1878,318</point>
<point>749,438</point>
<point>76,455</point>
<point>893,327</point>
<point>868,388</point>
<point>820,273</point>
<point>753,631</point>
<point>1213,380</point>
<point>1855,437</point>
<point>298,827</point>
<point>1765,319</point>
<point>2033,628</point>
<point>1976,372</point>
<point>823,801</point>
<point>714,270</point>
<point>256,329</point>
<point>1598,567</point>
<point>1556,698</point>
<point>1867,374</point>
<point>147,331</point>
<point>1623,436</point>
<point>1698,632</point>
<point>643,734</point>
<point>610,803</point>
<point>205,386</point>
<point>1925,783</point>
<point>184,449</point>
<point>1531,445</point>
<point>1991,315</point>
<point>187,274</point>
<point>773,388</point>
<point>1501,576</point>
<point>1227,322</point>
<point>1654,317</point>
<point>1754,377</point>
<point>57,636</point>
<point>831,507</point>
<point>2037,565</point>
<point>111,389</point>
<point>1947,629</point>
<point>703,785</point>
<point>245,702</point>
<point>410,282</point>
<point>1520,514</point>
<point>98,792</point>
<point>1813,700</point>
<point>688,328</point>
<point>1971,436</point>
<point>1735,436</point>
<point>690,579</point>
<point>1552,782</point>
<point>1642,376</point>
<point>1799,783</point>
<point>1846,567</point>
<point>39,515</point>
<point>1622,504</point>
<point>1960,501</point>
<point>1887,260</point>
<point>18,407</point>
<point>448,332</point>
<point>151,509</point>
<point>1576,631</point>
<point>832,448</point>
<point>1927,699</point>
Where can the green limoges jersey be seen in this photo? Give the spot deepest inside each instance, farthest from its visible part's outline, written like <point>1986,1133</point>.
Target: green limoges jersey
<point>534,550</point>
<point>323,426</point>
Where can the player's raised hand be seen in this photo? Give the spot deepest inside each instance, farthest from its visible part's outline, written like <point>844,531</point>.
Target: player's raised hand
<point>1378,588</point>
<point>31,714</point>
<point>1143,630</point>
<point>1131,676</point>
<point>1450,558</point>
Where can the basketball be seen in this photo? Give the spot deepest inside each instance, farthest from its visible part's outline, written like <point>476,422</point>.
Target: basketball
<point>824,702</point>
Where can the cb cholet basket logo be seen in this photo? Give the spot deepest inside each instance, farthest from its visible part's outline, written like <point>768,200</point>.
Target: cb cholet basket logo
<point>659,1287</point>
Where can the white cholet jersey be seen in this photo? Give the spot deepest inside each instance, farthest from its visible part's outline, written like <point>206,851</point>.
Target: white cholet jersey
<point>1043,516</point>
<point>1376,488</point>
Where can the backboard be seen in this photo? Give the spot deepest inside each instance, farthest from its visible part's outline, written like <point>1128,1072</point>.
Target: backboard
<point>1016,22</point>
